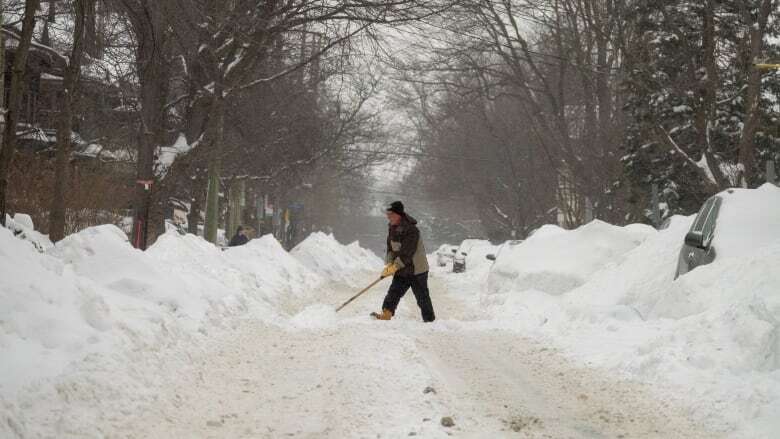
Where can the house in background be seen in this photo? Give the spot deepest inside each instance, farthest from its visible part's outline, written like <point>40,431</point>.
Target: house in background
<point>102,166</point>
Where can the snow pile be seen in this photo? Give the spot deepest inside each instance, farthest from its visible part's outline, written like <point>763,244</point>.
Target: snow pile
<point>93,293</point>
<point>23,221</point>
<point>273,267</point>
<point>446,250</point>
<point>555,261</point>
<point>368,257</point>
<point>183,275</point>
<point>45,314</point>
<point>206,281</point>
<point>21,225</point>
<point>607,295</point>
<point>324,255</point>
<point>754,215</point>
<point>476,255</point>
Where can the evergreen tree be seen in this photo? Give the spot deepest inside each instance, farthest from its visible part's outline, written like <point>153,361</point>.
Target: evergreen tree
<point>687,79</point>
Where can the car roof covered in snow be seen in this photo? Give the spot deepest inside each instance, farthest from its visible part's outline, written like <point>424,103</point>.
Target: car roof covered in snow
<point>748,219</point>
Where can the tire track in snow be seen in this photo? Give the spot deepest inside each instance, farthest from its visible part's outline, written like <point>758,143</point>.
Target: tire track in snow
<point>360,378</point>
<point>506,385</point>
<point>266,381</point>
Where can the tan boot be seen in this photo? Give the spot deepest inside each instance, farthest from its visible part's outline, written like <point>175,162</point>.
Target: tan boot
<point>386,315</point>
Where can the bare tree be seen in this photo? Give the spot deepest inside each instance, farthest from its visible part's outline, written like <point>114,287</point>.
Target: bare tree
<point>237,40</point>
<point>149,24</point>
<point>84,11</point>
<point>553,69</point>
<point>15,100</point>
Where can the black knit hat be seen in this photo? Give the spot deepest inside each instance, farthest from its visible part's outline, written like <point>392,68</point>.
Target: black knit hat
<point>397,207</point>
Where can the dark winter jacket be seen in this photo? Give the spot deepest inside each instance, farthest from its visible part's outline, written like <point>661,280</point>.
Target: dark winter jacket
<point>405,247</point>
<point>238,239</point>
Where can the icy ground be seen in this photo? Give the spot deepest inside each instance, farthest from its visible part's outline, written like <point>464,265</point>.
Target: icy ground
<point>571,334</point>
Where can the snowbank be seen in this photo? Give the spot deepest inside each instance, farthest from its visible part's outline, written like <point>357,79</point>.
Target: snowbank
<point>324,255</point>
<point>93,293</point>
<point>274,269</point>
<point>22,226</point>
<point>555,261</point>
<point>85,295</point>
<point>607,295</point>
<point>46,314</point>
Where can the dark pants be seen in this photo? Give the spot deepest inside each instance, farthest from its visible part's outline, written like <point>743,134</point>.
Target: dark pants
<point>419,286</point>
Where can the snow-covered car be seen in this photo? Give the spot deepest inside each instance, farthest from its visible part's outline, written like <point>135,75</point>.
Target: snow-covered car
<point>726,221</point>
<point>494,256</point>
<point>459,260</point>
<point>445,254</point>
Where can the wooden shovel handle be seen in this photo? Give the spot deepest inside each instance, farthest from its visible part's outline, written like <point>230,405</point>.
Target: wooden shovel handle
<point>358,294</point>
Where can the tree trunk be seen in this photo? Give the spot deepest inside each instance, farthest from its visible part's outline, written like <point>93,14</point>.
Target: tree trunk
<point>756,33</point>
<point>2,72</point>
<point>14,101</point>
<point>215,165</point>
<point>196,201</point>
<point>65,120</point>
<point>148,141</point>
<point>706,114</point>
<point>149,27</point>
<point>231,215</point>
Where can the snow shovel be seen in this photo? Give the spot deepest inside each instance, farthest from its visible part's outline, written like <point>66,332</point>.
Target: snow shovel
<point>361,292</point>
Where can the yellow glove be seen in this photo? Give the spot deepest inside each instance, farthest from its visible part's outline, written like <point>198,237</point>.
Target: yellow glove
<point>389,270</point>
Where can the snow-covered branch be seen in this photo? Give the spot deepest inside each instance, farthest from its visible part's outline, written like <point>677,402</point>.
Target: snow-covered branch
<point>702,166</point>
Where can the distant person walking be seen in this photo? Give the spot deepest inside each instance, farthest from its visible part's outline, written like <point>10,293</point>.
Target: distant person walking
<point>239,238</point>
<point>407,263</point>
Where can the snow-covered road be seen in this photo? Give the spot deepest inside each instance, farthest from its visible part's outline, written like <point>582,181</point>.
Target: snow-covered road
<point>354,377</point>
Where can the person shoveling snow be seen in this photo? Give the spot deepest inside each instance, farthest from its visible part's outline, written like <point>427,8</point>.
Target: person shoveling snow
<point>407,263</point>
